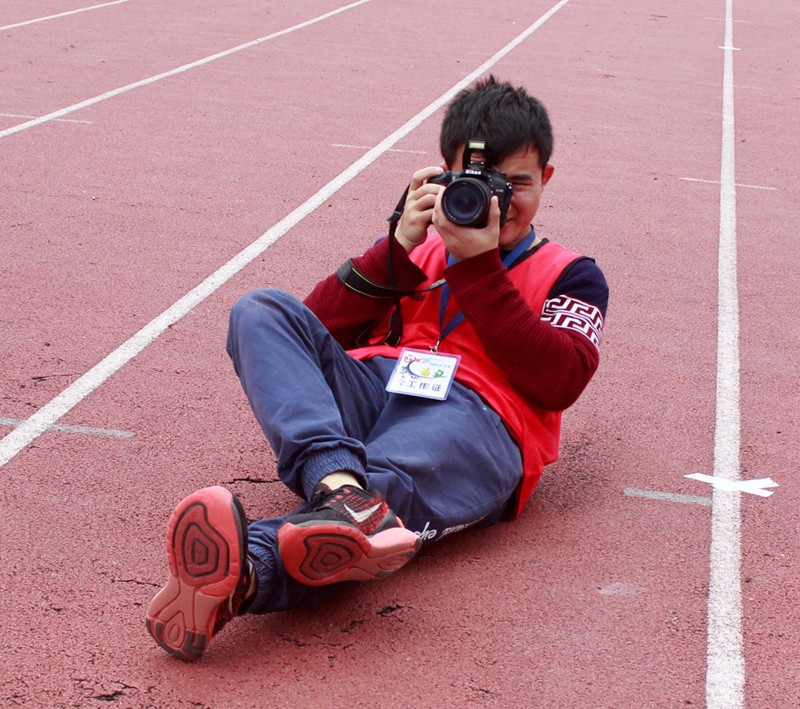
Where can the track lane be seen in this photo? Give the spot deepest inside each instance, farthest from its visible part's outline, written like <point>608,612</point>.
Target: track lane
<point>161,76</point>
<point>58,406</point>
<point>766,81</point>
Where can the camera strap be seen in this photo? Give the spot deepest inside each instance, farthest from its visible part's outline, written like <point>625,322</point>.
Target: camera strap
<point>356,281</point>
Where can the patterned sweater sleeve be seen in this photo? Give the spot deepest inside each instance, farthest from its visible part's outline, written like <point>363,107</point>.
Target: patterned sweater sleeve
<point>548,357</point>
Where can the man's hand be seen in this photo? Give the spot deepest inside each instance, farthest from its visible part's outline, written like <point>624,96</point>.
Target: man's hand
<point>412,229</point>
<point>464,242</point>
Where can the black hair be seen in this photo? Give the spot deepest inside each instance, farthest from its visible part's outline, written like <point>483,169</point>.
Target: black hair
<point>506,117</point>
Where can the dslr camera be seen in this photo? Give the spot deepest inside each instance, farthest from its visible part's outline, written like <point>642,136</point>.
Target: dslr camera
<point>468,193</point>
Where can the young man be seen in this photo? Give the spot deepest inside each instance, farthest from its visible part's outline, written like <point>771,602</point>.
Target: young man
<point>483,333</point>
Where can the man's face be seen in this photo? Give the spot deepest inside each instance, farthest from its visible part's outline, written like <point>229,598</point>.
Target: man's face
<point>528,179</point>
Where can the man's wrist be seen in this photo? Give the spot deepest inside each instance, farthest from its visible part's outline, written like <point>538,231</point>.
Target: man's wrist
<point>477,266</point>
<point>407,244</point>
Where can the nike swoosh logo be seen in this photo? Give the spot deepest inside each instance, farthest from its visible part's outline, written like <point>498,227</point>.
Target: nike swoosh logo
<point>362,516</point>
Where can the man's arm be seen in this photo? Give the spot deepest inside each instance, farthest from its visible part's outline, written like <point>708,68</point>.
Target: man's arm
<point>548,362</point>
<point>347,314</point>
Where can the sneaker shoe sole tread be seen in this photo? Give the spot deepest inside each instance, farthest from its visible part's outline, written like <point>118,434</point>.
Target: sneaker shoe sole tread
<point>204,570</point>
<point>322,553</point>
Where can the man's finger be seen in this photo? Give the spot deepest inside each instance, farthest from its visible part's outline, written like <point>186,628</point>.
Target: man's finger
<point>421,176</point>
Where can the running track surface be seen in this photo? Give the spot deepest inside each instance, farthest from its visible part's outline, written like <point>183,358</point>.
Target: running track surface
<point>149,170</point>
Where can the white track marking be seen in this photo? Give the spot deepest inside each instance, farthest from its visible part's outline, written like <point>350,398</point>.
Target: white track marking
<point>59,120</point>
<point>753,487</point>
<point>717,85</point>
<point>725,669</point>
<point>61,14</point>
<point>172,72</point>
<point>367,147</point>
<point>76,392</point>
<point>738,184</point>
<point>87,430</point>
<point>668,496</point>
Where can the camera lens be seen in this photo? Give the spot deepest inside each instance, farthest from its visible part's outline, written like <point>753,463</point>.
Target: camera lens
<point>466,201</point>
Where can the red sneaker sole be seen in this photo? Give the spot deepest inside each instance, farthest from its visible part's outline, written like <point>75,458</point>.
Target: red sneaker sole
<point>206,554</point>
<point>320,554</point>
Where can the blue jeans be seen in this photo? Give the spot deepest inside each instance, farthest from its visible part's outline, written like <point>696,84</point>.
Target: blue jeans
<point>441,465</point>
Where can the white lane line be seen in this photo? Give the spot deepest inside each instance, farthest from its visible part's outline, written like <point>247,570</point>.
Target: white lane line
<point>367,147</point>
<point>87,430</point>
<point>725,668</point>
<point>173,72</point>
<point>76,392</point>
<point>668,496</point>
<point>717,85</point>
<point>738,184</point>
<point>58,120</point>
<point>61,14</point>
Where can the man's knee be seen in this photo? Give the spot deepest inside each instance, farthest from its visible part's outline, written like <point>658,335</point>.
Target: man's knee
<point>258,300</point>
<point>256,313</point>
<point>258,303</point>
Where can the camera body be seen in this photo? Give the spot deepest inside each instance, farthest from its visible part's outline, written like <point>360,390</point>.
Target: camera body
<point>468,193</point>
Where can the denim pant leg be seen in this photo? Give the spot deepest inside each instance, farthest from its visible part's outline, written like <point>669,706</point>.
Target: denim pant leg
<point>315,403</point>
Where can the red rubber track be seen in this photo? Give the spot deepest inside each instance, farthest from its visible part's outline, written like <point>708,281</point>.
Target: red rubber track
<point>594,598</point>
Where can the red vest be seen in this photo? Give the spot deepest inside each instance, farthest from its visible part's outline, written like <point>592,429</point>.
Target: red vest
<point>535,430</point>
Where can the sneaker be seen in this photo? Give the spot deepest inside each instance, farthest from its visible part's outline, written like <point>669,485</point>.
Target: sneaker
<point>209,573</point>
<point>350,535</point>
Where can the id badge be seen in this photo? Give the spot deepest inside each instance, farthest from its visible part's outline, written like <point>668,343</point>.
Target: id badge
<point>426,374</point>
